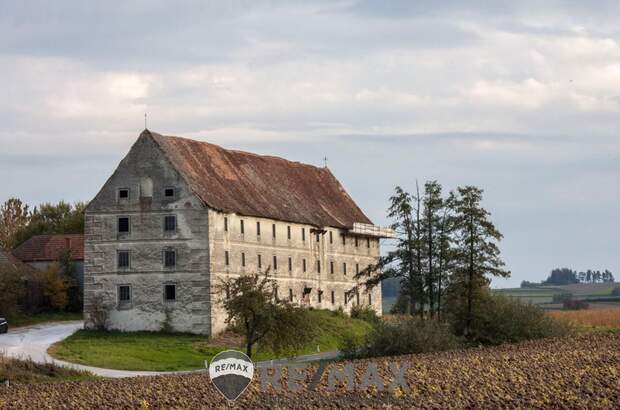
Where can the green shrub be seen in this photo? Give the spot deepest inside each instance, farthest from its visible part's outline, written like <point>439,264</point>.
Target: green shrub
<point>365,313</point>
<point>499,319</point>
<point>405,336</point>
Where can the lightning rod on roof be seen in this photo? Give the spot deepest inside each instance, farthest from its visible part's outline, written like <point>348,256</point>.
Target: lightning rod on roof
<point>145,121</point>
<point>325,161</point>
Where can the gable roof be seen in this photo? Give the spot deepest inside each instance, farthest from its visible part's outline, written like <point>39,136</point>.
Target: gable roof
<point>259,185</point>
<point>42,248</point>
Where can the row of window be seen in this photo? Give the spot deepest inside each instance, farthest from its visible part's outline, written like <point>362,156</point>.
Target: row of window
<point>123,193</point>
<point>304,266</point>
<point>170,224</point>
<point>169,259</point>
<point>170,295</point>
<point>317,233</point>
<point>125,295</point>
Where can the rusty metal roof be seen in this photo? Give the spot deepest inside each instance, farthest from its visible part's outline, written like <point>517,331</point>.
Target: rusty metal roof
<point>259,185</point>
<point>50,247</point>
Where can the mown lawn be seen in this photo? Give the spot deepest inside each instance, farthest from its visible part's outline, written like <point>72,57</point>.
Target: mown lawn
<point>22,319</point>
<point>151,351</point>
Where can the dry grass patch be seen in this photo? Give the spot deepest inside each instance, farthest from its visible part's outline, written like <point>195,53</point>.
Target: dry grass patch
<point>590,317</point>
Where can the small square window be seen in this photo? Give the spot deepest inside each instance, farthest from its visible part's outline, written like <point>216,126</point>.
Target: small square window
<point>170,223</point>
<point>170,258</point>
<point>123,259</point>
<point>170,293</point>
<point>124,294</point>
<point>123,193</point>
<point>123,224</point>
<point>169,192</point>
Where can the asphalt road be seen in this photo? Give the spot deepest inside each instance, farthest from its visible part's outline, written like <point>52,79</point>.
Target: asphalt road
<point>33,341</point>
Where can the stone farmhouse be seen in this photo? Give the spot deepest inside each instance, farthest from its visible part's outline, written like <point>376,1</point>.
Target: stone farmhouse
<point>178,216</point>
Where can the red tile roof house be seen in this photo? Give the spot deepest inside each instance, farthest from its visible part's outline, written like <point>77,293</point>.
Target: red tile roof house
<point>178,216</point>
<point>41,251</point>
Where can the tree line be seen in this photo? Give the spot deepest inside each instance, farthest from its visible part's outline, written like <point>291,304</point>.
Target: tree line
<point>18,222</point>
<point>446,250</point>
<point>566,276</point>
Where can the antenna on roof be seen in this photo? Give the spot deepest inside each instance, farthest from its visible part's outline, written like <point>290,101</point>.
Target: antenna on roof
<point>145,121</point>
<point>325,161</point>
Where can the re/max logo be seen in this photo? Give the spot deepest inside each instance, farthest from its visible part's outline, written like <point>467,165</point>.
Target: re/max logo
<point>336,377</point>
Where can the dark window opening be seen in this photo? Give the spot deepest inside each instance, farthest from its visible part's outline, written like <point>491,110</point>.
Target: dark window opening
<point>225,224</point>
<point>288,232</point>
<point>124,294</point>
<point>170,258</point>
<point>123,193</point>
<point>242,259</point>
<point>290,295</point>
<point>123,259</point>
<point>169,192</point>
<point>345,297</point>
<point>123,225</point>
<point>320,296</point>
<point>303,263</point>
<point>303,234</point>
<point>344,268</point>
<point>357,297</point>
<point>333,297</point>
<point>170,223</point>
<point>273,230</point>
<point>331,237</point>
<point>242,228</point>
<point>318,237</point>
<point>258,228</point>
<point>275,262</point>
<point>260,262</point>
<point>331,267</point>
<point>368,242</point>
<point>357,268</point>
<point>290,264</point>
<point>171,293</point>
<point>356,242</point>
<point>226,258</point>
<point>318,266</point>
<point>344,240</point>
<point>370,299</point>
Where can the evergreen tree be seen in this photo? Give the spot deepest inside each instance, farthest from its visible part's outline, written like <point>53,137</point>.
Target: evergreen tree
<point>477,255</point>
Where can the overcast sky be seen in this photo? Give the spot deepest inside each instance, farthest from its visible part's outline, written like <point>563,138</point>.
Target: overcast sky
<point>522,100</point>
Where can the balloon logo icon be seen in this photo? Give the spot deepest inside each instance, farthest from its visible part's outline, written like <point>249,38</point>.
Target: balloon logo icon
<point>231,372</point>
